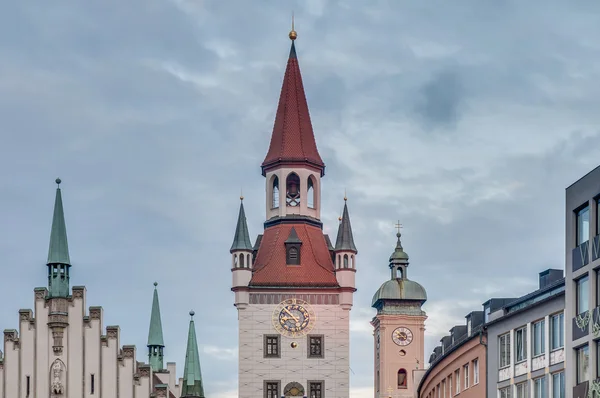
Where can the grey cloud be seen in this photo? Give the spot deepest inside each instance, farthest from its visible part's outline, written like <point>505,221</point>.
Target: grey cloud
<point>440,101</point>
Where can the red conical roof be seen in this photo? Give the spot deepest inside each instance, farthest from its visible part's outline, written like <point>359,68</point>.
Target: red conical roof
<point>293,140</point>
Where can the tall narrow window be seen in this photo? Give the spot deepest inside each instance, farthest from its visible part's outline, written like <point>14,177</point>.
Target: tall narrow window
<point>583,359</point>
<point>241,261</point>
<point>275,190</point>
<point>558,331</point>
<point>315,389</point>
<point>91,384</point>
<point>582,295</point>
<point>583,225</point>
<point>292,186</point>
<point>271,389</point>
<point>504,345</point>
<point>315,346</point>
<point>558,385</point>
<point>476,371</point>
<point>345,261</point>
<point>539,387</point>
<point>466,375</point>
<point>505,392</point>
<point>450,385</point>
<point>28,386</point>
<point>402,378</point>
<point>310,194</point>
<point>539,338</point>
<point>521,344</point>
<point>522,390</point>
<point>457,378</point>
<point>597,216</point>
<point>271,349</point>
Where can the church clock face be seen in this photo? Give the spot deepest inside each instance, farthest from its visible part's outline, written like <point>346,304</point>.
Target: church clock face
<point>402,336</point>
<point>293,318</point>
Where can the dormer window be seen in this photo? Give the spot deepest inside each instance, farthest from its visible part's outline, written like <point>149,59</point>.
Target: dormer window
<point>468,327</point>
<point>292,248</point>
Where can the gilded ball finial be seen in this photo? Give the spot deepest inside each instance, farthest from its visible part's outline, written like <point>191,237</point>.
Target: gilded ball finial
<point>155,284</point>
<point>293,34</point>
<point>340,218</point>
<point>241,197</point>
<point>58,181</point>
<point>192,313</point>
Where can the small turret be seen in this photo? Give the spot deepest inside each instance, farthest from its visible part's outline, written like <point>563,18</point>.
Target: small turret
<point>345,255</point>
<point>59,262</point>
<point>192,386</point>
<point>241,257</point>
<point>156,343</point>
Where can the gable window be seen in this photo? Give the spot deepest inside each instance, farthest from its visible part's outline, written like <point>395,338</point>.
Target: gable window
<point>582,295</point>
<point>583,359</point>
<point>504,346</point>
<point>315,389</point>
<point>315,346</point>
<point>476,371</point>
<point>293,254</point>
<point>557,333</point>
<point>272,346</point>
<point>521,344</point>
<point>271,389</point>
<point>539,338</point>
<point>466,375</point>
<point>402,378</point>
<point>582,232</point>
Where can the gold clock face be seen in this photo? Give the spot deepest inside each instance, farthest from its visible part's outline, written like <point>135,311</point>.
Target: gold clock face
<point>402,336</point>
<point>293,318</point>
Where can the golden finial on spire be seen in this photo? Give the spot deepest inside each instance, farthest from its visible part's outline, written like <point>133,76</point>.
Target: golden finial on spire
<point>345,196</point>
<point>293,35</point>
<point>241,194</point>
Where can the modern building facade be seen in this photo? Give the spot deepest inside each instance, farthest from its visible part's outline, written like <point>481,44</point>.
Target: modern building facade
<point>63,350</point>
<point>525,342</point>
<point>457,367</point>
<point>582,225</point>
<point>399,330</point>
<point>293,289</point>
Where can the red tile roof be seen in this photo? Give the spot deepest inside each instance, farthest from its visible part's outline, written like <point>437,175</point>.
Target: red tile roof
<point>293,140</point>
<point>315,270</point>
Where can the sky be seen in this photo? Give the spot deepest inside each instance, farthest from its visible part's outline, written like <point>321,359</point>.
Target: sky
<point>466,121</point>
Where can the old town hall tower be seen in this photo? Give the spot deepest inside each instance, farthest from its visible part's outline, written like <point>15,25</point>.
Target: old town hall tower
<point>293,288</point>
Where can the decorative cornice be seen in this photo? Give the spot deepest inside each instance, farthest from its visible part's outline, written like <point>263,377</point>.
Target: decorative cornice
<point>128,351</point>
<point>40,293</point>
<point>10,335</point>
<point>78,292</point>
<point>144,370</point>
<point>95,312</point>
<point>293,219</point>
<point>25,315</point>
<point>104,341</point>
<point>112,332</point>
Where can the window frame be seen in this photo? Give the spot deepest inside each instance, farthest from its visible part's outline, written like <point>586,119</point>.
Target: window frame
<point>267,344</point>
<point>507,392</point>
<point>578,212</point>
<point>317,337</point>
<point>561,378</point>
<point>522,331</point>
<point>524,390</point>
<point>560,319</point>
<point>534,336</point>
<point>457,374</point>
<point>320,383</point>
<point>578,376</point>
<point>476,371</point>
<point>578,302</point>
<point>266,384</point>
<point>507,347</point>
<point>466,376</point>
<point>538,387</point>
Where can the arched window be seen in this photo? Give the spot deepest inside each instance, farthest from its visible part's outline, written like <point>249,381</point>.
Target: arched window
<point>398,273</point>
<point>339,261</point>
<point>235,260</point>
<point>310,193</point>
<point>247,261</point>
<point>292,196</point>
<point>352,262</point>
<point>345,261</point>
<point>402,378</point>
<point>275,192</point>
<point>241,261</point>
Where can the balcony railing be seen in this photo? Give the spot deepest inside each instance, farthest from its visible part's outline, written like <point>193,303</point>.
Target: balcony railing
<point>581,255</point>
<point>581,325</point>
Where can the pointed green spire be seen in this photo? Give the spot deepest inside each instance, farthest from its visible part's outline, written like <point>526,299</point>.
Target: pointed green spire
<point>192,376</point>
<point>241,240</point>
<point>58,253</point>
<point>345,240</point>
<point>155,335</point>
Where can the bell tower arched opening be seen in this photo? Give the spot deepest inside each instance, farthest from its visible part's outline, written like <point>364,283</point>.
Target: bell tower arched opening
<point>292,188</point>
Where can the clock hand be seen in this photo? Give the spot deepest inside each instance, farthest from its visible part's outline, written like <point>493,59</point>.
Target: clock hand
<point>290,314</point>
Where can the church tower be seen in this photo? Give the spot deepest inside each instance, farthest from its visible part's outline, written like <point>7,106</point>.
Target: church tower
<point>156,343</point>
<point>399,330</point>
<point>293,289</point>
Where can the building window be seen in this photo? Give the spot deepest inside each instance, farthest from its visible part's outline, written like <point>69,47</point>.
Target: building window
<point>292,197</point>
<point>469,327</point>
<point>597,358</point>
<point>557,332</point>
<point>504,344</point>
<point>293,254</point>
<point>271,389</point>
<point>505,392</point>
<point>476,371</point>
<point>486,314</point>
<point>275,187</point>
<point>583,359</point>
<point>539,338</point>
<point>457,378</point>
<point>583,225</point>
<point>315,389</point>
<point>438,390</point>
<point>466,375</point>
<point>558,385</point>
<point>539,387</point>
<point>521,344</point>
<point>444,388</point>
<point>272,344</point>
<point>450,385</point>
<point>521,390</point>
<point>311,193</point>
<point>28,386</point>
<point>315,346</point>
<point>377,386</point>
<point>582,298</point>
<point>91,384</point>
<point>402,378</point>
